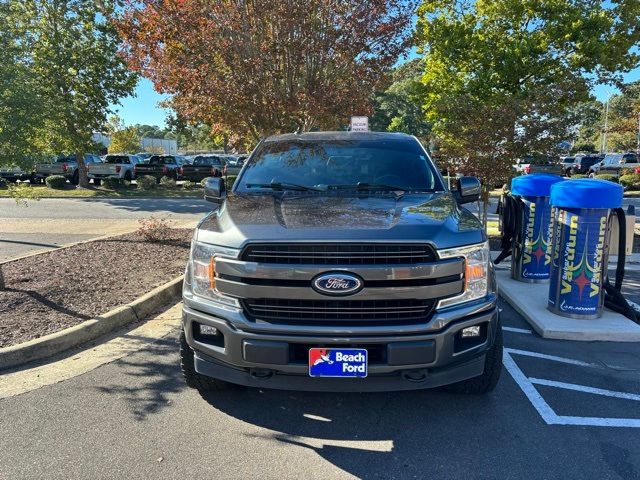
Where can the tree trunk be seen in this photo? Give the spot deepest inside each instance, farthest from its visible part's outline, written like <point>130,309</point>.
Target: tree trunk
<point>83,179</point>
<point>2,285</point>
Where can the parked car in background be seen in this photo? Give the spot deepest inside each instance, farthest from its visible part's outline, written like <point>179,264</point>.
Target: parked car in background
<point>566,163</point>
<point>65,165</point>
<point>614,163</point>
<point>119,165</point>
<point>203,166</point>
<point>583,162</point>
<point>161,166</point>
<point>14,174</point>
<point>234,163</point>
<point>144,156</point>
<point>537,164</point>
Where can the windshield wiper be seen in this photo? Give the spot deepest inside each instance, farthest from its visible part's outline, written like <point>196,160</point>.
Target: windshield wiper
<point>369,186</point>
<point>284,186</point>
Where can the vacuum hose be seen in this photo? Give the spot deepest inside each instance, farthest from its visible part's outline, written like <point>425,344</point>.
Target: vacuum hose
<point>613,298</point>
<point>510,208</point>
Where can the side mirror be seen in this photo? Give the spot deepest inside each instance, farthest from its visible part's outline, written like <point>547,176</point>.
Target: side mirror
<point>214,190</point>
<point>468,190</point>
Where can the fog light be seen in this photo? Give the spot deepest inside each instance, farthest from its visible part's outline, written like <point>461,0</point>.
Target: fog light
<point>208,330</point>
<point>470,332</point>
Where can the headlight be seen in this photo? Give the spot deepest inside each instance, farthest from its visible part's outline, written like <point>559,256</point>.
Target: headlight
<point>476,272</point>
<point>203,276</point>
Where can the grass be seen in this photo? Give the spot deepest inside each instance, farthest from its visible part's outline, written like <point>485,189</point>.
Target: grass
<point>99,192</point>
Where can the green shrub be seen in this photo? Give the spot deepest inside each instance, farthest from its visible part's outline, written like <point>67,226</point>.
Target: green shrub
<point>608,176</point>
<point>56,182</point>
<point>630,182</point>
<point>188,185</point>
<point>168,182</point>
<point>627,171</point>
<point>146,182</point>
<point>112,183</point>
<point>579,175</point>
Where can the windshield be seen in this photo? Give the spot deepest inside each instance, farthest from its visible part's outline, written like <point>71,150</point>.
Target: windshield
<point>203,161</point>
<point>116,159</point>
<point>341,163</point>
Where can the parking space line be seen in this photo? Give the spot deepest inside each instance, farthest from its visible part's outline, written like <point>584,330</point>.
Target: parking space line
<point>517,330</point>
<point>543,408</point>
<point>582,388</point>
<point>550,417</point>
<point>569,361</point>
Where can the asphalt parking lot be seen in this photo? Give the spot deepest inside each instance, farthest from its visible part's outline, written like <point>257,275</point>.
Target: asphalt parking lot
<point>561,410</point>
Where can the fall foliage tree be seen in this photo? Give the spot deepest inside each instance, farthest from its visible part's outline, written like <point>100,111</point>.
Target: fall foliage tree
<point>256,67</point>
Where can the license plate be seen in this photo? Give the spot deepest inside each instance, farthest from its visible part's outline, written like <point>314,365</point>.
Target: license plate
<point>337,362</point>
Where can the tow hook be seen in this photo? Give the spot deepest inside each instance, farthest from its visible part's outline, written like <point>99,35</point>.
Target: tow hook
<point>261,374</point>
<point>415,376</point>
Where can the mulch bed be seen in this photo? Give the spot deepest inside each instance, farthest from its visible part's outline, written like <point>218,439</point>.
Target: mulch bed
<point>56,290</point>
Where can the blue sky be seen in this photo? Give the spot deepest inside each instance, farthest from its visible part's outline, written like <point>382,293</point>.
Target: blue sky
<point>143,108</point>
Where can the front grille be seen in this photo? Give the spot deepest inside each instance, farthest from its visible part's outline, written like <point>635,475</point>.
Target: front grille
<point>339,312</point>
<point>341,254</point>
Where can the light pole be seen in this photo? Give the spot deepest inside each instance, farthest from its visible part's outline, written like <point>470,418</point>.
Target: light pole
<point>603,148</point>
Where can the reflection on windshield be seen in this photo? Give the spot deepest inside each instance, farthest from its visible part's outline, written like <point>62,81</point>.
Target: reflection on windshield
<point>333,163</point>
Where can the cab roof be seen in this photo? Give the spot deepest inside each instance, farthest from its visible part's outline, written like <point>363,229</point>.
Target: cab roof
<point>336,136</point>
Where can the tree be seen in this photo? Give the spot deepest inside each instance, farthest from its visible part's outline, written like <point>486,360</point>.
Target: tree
<point>125,141</point>
<point>503,78</point>
<point>258,67</point>
<point>624,118</point>
<point>399,108</point>
<point>73,57</point>
<point>20,100</point>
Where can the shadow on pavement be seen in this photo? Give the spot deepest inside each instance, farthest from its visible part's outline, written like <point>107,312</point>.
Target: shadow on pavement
<point>385,435</point>
<point>152,205</point>
<point>157,380</point>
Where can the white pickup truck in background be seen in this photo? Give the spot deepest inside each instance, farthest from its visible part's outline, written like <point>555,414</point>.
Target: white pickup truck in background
<point>119,165</point>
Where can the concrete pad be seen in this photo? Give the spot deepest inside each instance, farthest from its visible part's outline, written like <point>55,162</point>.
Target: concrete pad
<point>530,300</point>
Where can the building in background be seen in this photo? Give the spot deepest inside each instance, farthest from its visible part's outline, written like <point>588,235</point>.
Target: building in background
<point>154,145</point>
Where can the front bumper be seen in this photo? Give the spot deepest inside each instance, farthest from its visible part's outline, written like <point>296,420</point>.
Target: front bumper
<point>277,360</point>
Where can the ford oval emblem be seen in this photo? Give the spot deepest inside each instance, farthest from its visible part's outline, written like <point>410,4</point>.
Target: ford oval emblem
<point>337,284</point>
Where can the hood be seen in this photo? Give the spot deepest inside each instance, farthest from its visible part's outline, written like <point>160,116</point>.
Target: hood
<point>288,217</point>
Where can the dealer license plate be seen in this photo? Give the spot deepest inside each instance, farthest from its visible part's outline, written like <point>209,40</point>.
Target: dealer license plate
<point>337,362</point>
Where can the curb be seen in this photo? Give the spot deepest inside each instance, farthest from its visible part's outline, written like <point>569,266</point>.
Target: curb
<point>65,246</point>
<point>58,342</point>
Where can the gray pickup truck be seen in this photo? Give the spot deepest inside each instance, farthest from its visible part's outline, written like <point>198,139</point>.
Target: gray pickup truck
<point>340,261</point>
<point>65,165</point>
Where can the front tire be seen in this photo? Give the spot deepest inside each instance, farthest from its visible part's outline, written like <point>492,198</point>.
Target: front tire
<point>97,182</point>
<point>486,382</point>
<point>193,378</point>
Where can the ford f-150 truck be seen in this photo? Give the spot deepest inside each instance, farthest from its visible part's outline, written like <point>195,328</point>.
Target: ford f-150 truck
<point>161,166</point>
<point>119,165</point>
<point>340,261</point>
<point>64,165</point>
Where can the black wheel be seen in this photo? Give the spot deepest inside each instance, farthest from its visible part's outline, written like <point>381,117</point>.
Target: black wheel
<point>486,382</point>
<point>191,377</point>
<point>97,181</point>
<point>128,177</point>
<point>75,178</point>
